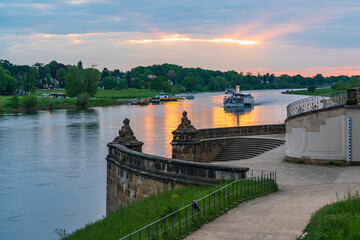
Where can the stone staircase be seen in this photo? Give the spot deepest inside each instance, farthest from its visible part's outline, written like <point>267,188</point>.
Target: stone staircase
<point>244,148</point>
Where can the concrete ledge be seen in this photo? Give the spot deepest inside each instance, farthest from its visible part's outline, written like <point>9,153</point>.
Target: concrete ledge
<point>319,161</point>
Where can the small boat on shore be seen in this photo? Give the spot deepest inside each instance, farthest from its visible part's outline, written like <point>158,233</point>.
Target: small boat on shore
<point>190,96</point>
<point>238,99</point>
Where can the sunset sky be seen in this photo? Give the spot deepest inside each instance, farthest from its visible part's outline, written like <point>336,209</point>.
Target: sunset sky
<point>276,36</point>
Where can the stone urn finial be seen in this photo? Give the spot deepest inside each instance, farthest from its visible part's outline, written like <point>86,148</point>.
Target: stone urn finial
<point>185,125</point>
<point>126,136</point>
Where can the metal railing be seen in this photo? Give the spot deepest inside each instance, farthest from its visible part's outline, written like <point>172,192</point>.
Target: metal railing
<point>178,224</point>
<point>317,102</point>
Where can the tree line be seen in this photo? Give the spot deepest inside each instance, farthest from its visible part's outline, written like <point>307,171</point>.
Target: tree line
<point>163,77</point>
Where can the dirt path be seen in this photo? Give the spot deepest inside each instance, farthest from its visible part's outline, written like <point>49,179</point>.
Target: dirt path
<point>283,215</point>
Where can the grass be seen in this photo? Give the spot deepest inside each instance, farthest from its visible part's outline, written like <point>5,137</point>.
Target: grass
<point>318,91</point>
<point>131,218</point>
<point>340,220</point>
<point>126,93</point>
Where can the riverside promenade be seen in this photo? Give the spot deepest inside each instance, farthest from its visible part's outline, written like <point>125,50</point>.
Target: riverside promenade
<point>283,215</point>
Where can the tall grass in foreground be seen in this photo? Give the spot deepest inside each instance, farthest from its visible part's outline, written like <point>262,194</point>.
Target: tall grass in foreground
<point>340,220</point>
<point>148,210</point>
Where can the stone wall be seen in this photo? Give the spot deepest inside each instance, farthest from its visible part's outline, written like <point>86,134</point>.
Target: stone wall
<point>132,175</point>
<point>321,136</point>
<point>208,143</point>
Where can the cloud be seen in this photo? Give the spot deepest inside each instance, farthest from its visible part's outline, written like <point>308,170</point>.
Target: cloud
<point>180,38</point>
<point>79,2</point>
<point>38,6</point>
<point>336,71</point>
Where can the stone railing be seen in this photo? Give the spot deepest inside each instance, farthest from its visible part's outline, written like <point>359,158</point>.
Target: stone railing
<point>241,131</point>
<point>133,175</point>
<point>172,169</point>
<point>317,102</point>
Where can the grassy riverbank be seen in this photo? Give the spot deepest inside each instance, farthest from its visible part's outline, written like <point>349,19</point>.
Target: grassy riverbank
<point>102,98</point>
<point>319,91</point>
<point>340,220</point>
<point>148,210</point>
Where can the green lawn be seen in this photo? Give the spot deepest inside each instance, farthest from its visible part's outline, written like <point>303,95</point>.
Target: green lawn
<point>340,220</point>
<point>318,91</point>
<point>131,218</point>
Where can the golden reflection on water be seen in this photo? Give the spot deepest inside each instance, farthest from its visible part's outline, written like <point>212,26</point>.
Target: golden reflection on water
<point>205,111</point>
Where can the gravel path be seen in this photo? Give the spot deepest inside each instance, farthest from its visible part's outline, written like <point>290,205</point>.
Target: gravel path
<point>282,215</point>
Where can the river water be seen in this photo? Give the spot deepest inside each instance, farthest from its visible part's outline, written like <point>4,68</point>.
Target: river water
<point>52,164</point>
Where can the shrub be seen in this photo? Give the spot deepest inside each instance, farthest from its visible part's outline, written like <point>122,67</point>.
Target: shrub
<point>29,101</point>
<point>82,99</point>
<point>311,88</point>
<point>51,103</point>
<point>15,101</point>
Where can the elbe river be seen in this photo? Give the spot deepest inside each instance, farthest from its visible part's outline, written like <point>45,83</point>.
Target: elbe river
<point>53,167</point>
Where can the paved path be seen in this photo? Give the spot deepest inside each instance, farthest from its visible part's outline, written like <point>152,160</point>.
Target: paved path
<point>282,215</point>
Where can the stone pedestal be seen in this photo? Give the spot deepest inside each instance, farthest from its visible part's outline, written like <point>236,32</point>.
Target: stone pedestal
<point>126,137</point>
<point>353,96</point>
<point>186,141</point>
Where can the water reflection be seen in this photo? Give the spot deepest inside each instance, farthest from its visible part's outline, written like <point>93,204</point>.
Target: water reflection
<point>238,111</point>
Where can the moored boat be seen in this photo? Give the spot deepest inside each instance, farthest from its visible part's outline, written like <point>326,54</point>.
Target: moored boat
<point>190,96</point>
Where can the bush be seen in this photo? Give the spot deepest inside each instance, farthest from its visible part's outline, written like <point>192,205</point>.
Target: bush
<point>15,101</point>
<point>29,101</point>
<point>311,88</point>
<point>82,99</point>
<point>51,103</point>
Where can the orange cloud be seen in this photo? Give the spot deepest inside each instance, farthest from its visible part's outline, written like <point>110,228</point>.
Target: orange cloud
<point>180,38</point>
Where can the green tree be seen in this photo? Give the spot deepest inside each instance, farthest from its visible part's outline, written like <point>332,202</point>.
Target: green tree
<point>189,83</point>
<point>311,88</point>
<point>80,65</point>
<point>110,83</point>
<point>167,87</point>
<point>338,86</point>
<point>171,75</point>
<point>60,76</point>
<point>91,81</point>
<point>122,84</point>
<point>137,83</point>
<point>7,83</point>
<point>83,99</point>
<point>74,81</point>
<point>157,83</point>
<point>29,101</point>
<point>354,82</point>
<point>31,80</point>
<point>319,79</point>
<point>48,79</point>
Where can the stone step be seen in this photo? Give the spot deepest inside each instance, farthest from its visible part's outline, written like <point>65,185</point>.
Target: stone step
<point>245,148</point>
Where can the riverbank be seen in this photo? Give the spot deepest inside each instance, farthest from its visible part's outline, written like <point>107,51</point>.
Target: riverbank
<point>102,98</point>
<point>319,91</point>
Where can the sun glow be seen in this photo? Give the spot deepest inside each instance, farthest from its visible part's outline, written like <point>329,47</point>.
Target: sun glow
<point>179,38</point>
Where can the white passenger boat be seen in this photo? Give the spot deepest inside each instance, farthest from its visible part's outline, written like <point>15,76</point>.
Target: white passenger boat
<point>238,99</point>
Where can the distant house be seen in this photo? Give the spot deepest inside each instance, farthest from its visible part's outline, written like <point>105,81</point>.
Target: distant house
<point>151,77</point>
